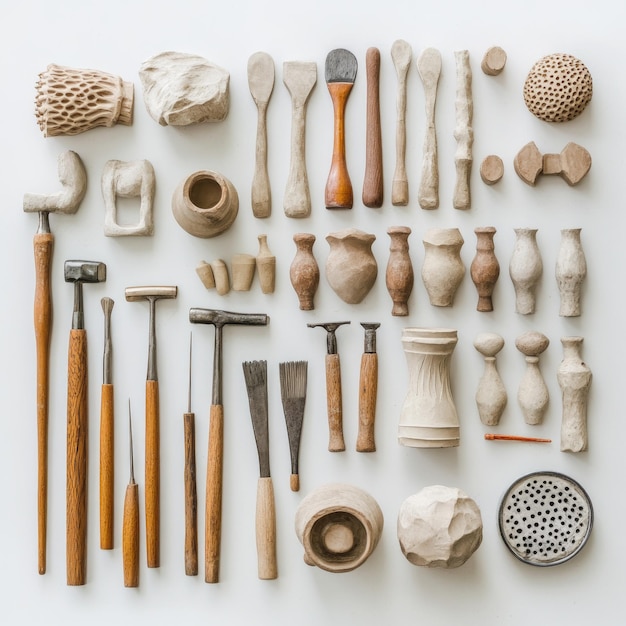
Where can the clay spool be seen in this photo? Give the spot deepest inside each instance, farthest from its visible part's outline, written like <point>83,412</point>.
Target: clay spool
<point>205,204</point>
<point>491,169</point>
<point>493,61</point>
<point>339,527</point>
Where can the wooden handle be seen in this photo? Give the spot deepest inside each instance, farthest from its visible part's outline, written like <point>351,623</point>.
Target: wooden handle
<point>334,403</point>
<point>213,514</point>
<point>297,199</point>
<point>43,245</point>
<point>266,529</point>
<point>261,193</point>
<point>338,192</point>
<point>106,467</point>
<point>368,388</point>
<point>462,198</point>
<point>153,504</point>
<point>428,195</point>
<point>191,497</point>
<point>76,487</point>
<point>130,536</point>
<point>373,180</point>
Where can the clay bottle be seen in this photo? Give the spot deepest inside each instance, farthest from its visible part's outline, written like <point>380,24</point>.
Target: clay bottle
<point>532,394</point>
<point>574,378</point>
<point>399,276</point>
<point>485,268</point>
<point>304,271</point>
<point>491,396</point>
<point>525,269</point>
<point>571,270</point>
<point>266,266</point>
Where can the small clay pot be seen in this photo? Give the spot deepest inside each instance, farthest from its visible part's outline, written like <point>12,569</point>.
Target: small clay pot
<point>205,204</point>
<point>339,527</point>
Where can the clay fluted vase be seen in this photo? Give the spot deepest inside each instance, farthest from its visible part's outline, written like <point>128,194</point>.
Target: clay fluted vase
<point>304,272</point>
<point>443,268</point>
<point>571,270</point>
<point>399,275</point>
<point>485,268</point>
<point>429,418</point>
<point>574,378</point>
<point>351,268</point>
<point>525,269</point>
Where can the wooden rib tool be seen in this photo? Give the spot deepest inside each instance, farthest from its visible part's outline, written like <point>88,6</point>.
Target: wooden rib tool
<point>255,374</point>
<point>152,479</point>
<point>107,434</point>
<point>340,71</point>
<point>130,522</point>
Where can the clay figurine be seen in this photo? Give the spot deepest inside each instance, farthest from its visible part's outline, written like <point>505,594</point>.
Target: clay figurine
<point>532,394</point>
<point>491,396</point>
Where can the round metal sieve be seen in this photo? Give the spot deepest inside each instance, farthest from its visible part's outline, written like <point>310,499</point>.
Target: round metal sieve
<point>545,518</point>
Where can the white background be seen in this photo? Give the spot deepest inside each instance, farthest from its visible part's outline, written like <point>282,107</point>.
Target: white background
<point>492,587</point>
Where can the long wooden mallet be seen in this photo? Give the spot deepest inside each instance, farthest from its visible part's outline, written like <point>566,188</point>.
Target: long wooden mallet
<point>153,445</point>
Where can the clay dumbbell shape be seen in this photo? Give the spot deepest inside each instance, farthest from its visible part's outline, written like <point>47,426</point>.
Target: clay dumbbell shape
<point>491,396</point>
<point>532,395</point>
<point>571,164</point>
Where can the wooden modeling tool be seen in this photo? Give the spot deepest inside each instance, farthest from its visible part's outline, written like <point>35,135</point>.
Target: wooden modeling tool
<point>261,83</point>
<point>495,437</point>
<point>191,492</point>
<point>373,179</point>
<point>341,67</point>
<point>401,55</point>
<point>255,374</point>
<point>130,522</point>
<point>107,439</point>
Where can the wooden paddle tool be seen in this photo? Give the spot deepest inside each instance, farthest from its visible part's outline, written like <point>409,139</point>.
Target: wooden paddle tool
<point>261,83</point>
<point>401,55</point>
<point>255,373</point>
<point>341,67</point>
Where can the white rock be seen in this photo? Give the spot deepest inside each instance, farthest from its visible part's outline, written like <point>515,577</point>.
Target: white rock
<point>181,89</point>
<point>439,527</point>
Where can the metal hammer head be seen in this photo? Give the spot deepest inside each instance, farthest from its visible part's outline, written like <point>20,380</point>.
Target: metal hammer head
<point>370,336</point>
<point>221,318</point>
<point>133,294</point>
<point>331,339</point>
<point>79,272</point>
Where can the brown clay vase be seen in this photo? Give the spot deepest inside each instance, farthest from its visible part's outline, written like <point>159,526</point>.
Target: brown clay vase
<point>485,268</point>
<point>399,276</point>
<point>304,271</point>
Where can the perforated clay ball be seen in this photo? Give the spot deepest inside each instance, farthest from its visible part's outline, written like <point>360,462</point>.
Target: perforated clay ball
<point>558,88</point>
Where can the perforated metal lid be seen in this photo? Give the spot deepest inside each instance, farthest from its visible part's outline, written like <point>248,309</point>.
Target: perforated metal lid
<point>545,518</point>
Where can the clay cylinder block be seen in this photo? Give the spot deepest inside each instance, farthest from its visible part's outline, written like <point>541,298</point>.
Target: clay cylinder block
<point>205,204</point>
<point>339,527</point>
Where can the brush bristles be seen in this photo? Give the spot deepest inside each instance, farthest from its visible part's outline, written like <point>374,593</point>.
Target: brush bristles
<point>255,372</point>
<point>293,375</point>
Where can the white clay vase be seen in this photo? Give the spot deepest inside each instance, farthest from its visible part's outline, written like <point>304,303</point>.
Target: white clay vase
<point>525,269</point>
<point>574,378</point>
<point>428,418</point>
<point>571,270</point>
<point>351,268</point>
<point>205,204</point>
<point>491,396</point>
<point>532,394</point>
<point>443,268</point>
<point>339,526</point>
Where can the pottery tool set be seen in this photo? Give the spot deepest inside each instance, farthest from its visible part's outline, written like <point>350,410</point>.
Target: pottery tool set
<point>338,525</point>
